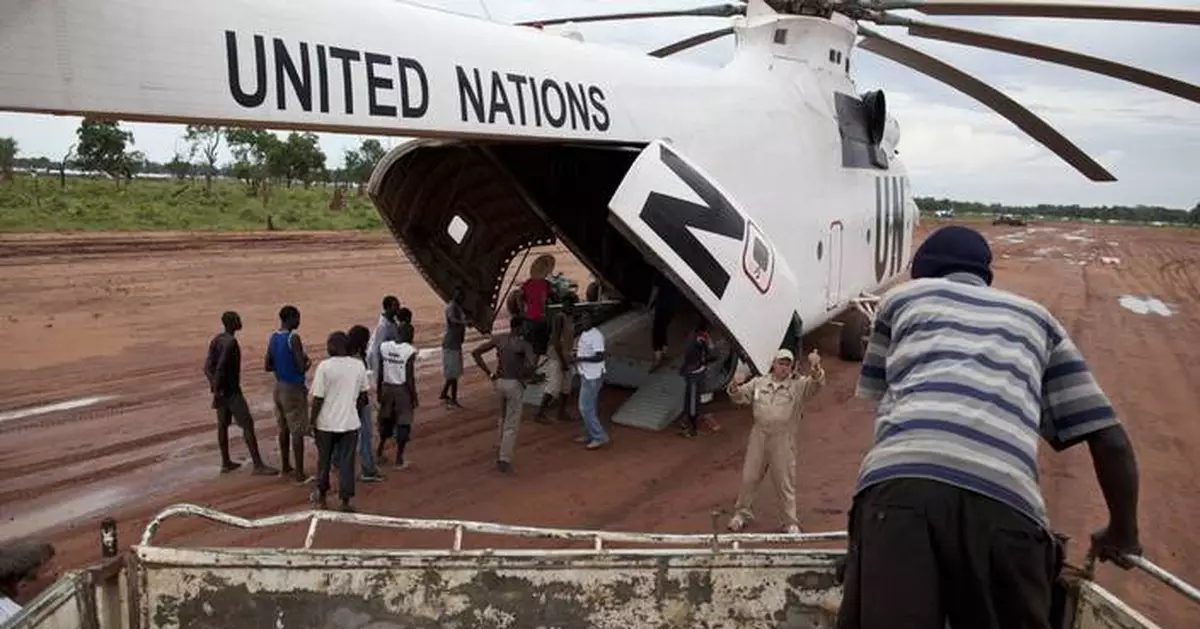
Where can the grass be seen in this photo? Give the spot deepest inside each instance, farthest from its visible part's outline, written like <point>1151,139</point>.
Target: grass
<point>29,205</point>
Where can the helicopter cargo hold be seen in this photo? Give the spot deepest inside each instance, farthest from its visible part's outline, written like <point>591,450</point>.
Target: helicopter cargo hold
<point>568,579</point>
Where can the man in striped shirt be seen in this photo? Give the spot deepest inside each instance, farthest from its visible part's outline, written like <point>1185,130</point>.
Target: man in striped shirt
<point>948,521</point>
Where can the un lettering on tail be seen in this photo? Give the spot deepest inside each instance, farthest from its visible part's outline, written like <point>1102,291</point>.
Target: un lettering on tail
<point>686,224</point>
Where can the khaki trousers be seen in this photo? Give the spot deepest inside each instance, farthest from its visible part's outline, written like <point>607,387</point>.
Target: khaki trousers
<point>772,453</point>
<point>512,394</point>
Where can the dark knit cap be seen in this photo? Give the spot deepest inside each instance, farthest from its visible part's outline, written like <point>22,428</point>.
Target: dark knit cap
<point>953,249</point>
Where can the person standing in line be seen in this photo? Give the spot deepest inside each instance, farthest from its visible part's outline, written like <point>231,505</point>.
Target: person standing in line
<point>397,391</point>
<point>557,366</point>
<point>339,392</point>
<point>359,339</point>
<point>287,360</point>
<point>589,362</point>
<point>694,369</point>
<point>515,365</point>
<point>777,400</point>
<point>947,521</point>
<point>223,368</point>
<point>452,344</point>
<point>387,321</point>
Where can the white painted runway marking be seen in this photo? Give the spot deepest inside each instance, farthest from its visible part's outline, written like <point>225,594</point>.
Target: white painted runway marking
<point>33,411</point>
<point>1144,305</point>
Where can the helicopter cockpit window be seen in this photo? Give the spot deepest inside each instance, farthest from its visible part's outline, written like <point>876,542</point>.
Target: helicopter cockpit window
<point>457,229</point>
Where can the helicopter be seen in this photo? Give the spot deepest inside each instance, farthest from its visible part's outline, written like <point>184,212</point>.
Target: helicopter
<point>768,191</point>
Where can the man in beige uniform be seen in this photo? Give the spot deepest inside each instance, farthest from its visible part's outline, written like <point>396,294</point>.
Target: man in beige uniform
<point>778,400</point>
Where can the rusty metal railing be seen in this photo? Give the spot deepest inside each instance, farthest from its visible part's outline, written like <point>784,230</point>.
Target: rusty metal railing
<point>459,528</point>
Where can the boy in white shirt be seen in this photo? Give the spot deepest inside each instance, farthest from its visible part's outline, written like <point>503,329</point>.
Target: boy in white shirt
<point>339,392</point>
<point>397,386</point>
<point>589,362</point>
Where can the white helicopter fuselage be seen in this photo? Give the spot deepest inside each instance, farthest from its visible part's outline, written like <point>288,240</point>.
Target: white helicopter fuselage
<point>820,224</point>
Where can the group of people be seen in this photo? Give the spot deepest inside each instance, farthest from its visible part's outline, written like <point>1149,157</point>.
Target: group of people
<point>947,520</point>
<point>335,411</point>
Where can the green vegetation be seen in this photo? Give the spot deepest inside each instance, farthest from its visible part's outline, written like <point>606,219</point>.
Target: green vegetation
<point>273,182</point>
<point>1114,213</point>
<point>29,204</point>
<point>280,182</point>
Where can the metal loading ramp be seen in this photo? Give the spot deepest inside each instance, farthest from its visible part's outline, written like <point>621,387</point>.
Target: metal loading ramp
<point>657,402</point>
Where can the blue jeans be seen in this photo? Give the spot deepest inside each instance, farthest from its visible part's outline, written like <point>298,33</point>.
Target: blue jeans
<point>365,453</point>
<point>589,391</point>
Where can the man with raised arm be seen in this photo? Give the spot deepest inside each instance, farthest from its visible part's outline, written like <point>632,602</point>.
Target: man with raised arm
<point>777,399</point>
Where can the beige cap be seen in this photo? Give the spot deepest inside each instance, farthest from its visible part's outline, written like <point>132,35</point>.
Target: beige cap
<point>785,354</point>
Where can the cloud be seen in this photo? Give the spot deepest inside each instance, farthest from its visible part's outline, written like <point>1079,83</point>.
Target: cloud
<point>951,145</point>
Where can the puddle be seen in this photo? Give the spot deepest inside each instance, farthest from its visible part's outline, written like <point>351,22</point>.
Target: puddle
<point>1110,260</point>
<point>1079,235</point>
<point>1144,305</point>
<point>60,511</point>
<point>1113,243</point>
<point>1046,251</point>
<point>32,411</point>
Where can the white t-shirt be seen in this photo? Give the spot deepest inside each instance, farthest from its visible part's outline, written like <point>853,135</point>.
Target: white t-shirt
<point>339,380</point>
<point>395,358</point>
<point>8,609</point>
<point>590,343</point>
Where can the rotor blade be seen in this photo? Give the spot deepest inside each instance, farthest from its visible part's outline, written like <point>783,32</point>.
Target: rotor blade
<point>1026,120</point>
<point>691,42</point>
<point>716,10</point>
<point>1047,53</point>
<point>1078,10</point>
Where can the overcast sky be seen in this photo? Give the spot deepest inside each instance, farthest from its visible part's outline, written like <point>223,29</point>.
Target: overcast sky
<point>951,145</point>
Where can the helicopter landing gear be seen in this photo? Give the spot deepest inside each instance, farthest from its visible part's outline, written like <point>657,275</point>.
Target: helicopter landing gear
<point>856,329</point>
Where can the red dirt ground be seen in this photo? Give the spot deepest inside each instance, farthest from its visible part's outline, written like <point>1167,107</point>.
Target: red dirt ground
<point>131,316</point>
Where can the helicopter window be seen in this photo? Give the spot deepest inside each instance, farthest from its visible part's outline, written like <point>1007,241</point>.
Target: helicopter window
<point>820,249</point>
<point>781,36</point>
<point>832,56</point>
<point>457,229</point>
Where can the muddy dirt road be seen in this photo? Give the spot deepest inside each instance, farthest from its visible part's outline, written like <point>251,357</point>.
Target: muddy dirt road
<point>118,326</point>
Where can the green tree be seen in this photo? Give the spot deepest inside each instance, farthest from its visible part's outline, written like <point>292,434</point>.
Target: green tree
<point>101,147</point>
<point>206,139</point>
<point>360,162</point>
<point>1194,215</point>
<point>8,155</point>
<point>297,158</point>
<point>252,149</point>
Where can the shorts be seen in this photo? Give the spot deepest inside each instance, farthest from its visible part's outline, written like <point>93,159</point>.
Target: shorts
<point>451,363</point>
<point>232,409</point>
<point>537,332</point>
<point>558,377</point>
<point>291,407</point>
<point>395,407</point>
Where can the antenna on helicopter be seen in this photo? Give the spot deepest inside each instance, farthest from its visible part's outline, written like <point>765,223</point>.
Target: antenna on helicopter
<point>878,12</point>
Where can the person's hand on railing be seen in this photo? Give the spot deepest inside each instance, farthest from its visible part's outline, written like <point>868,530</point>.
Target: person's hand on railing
<point>1111,544</point>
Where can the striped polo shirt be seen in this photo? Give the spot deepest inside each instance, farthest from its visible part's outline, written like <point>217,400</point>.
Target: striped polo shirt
<point>968,377</point>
